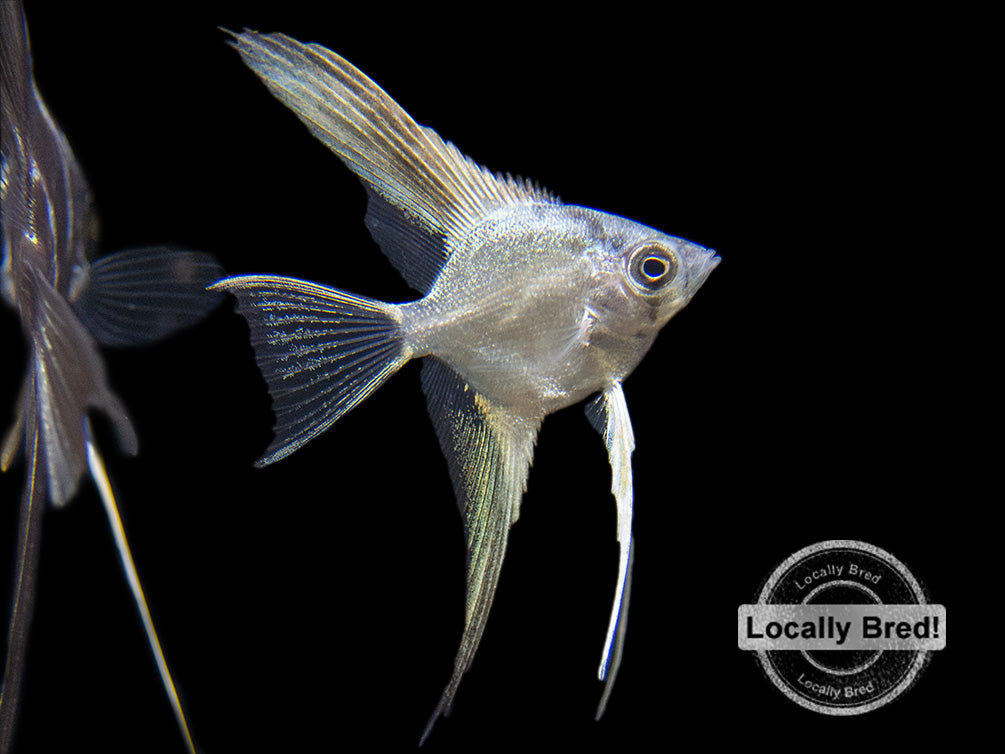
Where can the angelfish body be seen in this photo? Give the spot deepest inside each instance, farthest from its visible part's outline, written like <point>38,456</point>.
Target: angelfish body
<point>528,305</point>
<point>537,309</point>
<point>68,305</point>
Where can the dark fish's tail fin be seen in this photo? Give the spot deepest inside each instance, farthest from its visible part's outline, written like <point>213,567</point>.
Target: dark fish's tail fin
<point>320,350</point>
<point>137,297</point>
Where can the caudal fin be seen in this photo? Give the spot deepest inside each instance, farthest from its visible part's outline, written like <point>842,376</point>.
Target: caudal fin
<point>320,350</point>
<point>137,297</point>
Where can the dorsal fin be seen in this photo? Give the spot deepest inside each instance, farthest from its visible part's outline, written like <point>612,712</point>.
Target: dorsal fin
<point>415,253</point>
<point>407,165</point>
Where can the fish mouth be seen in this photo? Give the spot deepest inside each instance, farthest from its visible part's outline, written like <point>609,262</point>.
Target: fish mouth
<point>703,262</point>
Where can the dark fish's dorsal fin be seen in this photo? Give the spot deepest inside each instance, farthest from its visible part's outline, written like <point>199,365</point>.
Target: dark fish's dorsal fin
<point>69,380</point>
<point>15,74</point>
<point>45,189</point>
<point>140,296</point>
<point>608,413</point>
<point>408,165</point>
<point>489,452</point>
<point>320,350</point>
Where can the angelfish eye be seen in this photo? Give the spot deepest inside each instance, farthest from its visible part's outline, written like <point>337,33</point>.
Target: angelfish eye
<point>652,267</point>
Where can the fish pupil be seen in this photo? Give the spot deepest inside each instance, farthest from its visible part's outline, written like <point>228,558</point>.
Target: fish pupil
<point>654,268</point>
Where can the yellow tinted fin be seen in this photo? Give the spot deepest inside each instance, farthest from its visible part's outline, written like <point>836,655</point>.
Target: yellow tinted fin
<point>407,165</point>
<point>489,452</point>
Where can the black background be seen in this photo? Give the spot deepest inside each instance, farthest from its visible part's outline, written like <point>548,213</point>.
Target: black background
<point>801,396</point>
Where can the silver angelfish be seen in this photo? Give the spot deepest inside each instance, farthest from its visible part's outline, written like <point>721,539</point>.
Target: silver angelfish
<point>68,306</point>
<point>528,306</point>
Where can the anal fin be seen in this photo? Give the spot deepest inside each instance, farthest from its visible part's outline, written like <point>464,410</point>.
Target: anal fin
<point>489,452</point>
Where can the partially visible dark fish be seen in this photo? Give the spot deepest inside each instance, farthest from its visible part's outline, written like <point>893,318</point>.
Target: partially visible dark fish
<point>528,306</point>
<point>67,307</point>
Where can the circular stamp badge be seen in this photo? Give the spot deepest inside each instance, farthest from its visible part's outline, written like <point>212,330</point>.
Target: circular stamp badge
<point>842,627</point>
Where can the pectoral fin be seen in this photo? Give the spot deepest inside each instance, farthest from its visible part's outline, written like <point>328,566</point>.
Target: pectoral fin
<point>609,415</point>
<point>489,452</point>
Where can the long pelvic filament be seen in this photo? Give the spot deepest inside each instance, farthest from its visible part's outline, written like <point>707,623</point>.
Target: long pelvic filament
<point>100,477</point>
